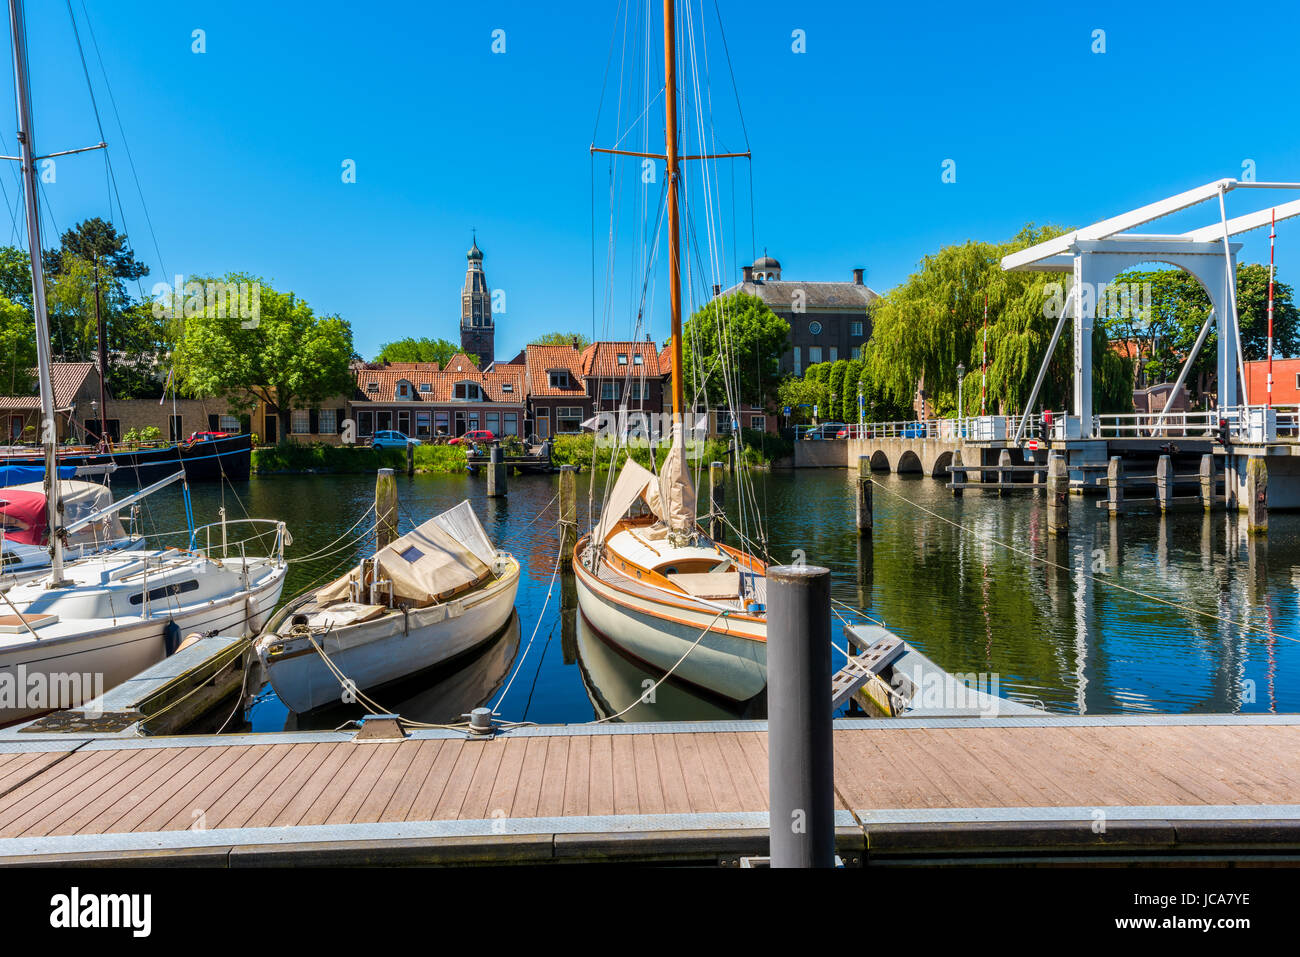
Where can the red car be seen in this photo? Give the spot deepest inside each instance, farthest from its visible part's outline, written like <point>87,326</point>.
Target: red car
<point>205,436</point>
<point>478,435</point>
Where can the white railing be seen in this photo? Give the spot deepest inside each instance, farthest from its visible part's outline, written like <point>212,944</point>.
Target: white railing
<point>225,545</point>
<point>970,428</point>
<point>1244,423</point>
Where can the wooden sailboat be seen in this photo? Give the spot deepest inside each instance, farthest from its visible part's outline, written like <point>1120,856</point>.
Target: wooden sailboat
<point>655,585</point>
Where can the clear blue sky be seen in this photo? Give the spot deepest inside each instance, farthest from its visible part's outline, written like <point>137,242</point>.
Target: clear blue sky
<point>239,150</point>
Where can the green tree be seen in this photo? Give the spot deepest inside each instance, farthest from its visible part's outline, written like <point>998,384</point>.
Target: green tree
<point>417,350</point>
<point>849,391</point>
<point>802,395</point>
<point>576,339</point>
<point>836,387</point>
<point>17,349</point>
<point>289,358</point>
<point>748,334</point>
<point>95,238</point>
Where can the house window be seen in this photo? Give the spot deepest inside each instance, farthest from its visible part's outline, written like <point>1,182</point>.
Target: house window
<point>758,422</point>
<point>559,380</point>
<point>422,420</point>
<point>622,358</point>
<point>442,423</point>
<point>229,423</point>
<point>855,328</point>
<point>404,422</point>
<point>494,423</point>
<point>365,422</point>
<point>403,390</point>
<point>857,352</point>
<point>638,359</point>
<point>609,390</point>
<point>469,391</point>
<point>511,424</point>
<point>544,423</point>
<point>426,386</point>
<point>372,386</point>
<point>798,361</point>
<point>723,419</point>
<point>568,418</point>
<point>835,353</point>
<point>328,422</point>
<point>507,387</point>
<point>814,355</point>
<point>300,422</point>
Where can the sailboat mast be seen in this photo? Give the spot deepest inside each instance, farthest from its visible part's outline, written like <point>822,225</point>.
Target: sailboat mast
<point>101,341</point>
<point>48,427</point>
<point>674,229</point>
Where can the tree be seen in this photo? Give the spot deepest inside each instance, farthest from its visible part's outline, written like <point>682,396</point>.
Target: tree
<point>925,327</point>
<point>849,391</point>
<point>802,395</point>
<point>417,350</point>
<point>838,368</point>
<point>96,238</point>
<point>575,339</point>
<point>289,358</point>
<point>748,334</point>
<point>17,349</point>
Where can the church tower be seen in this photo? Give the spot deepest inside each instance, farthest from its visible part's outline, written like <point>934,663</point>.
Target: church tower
<point>477,334</point>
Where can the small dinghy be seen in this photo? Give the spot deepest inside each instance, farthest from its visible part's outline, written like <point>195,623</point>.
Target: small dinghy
<point>429,596</point>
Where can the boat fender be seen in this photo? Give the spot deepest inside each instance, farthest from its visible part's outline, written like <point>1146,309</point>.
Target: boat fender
<point>190,639</point>
<point>171,637</point>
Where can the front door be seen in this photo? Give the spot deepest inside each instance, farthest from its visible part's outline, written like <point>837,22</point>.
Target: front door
<point>543,423</point>
<point>271,423</point>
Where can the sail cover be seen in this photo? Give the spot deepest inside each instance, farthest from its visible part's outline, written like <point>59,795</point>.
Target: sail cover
<point>670,496</point>
<point>22,474</point>
<point>634,482</point>
<point>23,516</point>
<point>25,520</point>
<point>426,565</point>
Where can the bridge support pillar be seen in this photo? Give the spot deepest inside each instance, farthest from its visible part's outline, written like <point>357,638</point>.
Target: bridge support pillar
<point>1004,476</point>
<point>1208,481</point>
<point>958,474</point>
<point>1115,485</point>
<point>1256,498</point>
<point>1164,482</point>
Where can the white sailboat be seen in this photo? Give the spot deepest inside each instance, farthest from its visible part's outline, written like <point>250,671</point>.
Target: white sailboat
<point>427,597</point>
<point>655,585</point>
<point>88,625</point>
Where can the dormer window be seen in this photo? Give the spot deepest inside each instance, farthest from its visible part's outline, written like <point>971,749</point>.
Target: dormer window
<point>404,390</point>
<point>426,386</point>
<point>638,359</point>
<point>559,379</point>
<point>372,386</point>
<point>507,387</point>
<point>622,358</point>
<point>469,391</point>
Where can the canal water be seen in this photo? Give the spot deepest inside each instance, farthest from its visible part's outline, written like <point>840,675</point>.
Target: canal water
<point>1185,614</point>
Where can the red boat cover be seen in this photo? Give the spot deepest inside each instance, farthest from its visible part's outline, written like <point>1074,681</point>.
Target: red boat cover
<point>23,515</point>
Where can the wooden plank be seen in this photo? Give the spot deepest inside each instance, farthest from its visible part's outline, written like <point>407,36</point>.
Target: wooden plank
<point>600,792</point>
<point>649,789</point>
<point>1149,783</point>
<point>479,793</point>
<point>156,793</point>
<point>752,762</point>
<point>435,782</point>
<point>319,810</point>
<point>183,800</point>
<point>301,803</point>
<point>193,813</point>
<point>112,782</point>
<point>677,799</point>
<point>717,773</point>
<point>372,808</point>
<point>355,795</point>
<point>506,785</point>
<point>458,780</point>
<point>550,803</point>
<point>62,793</point>
<point>271,755</point>
<point>577,777</point>
<point>18,768</point>
<point>65,779</point>
<point>626,792</point>
<point>399,805</point>
<point>697,781</point>
<point>969,754</point>
<point>266,787</point>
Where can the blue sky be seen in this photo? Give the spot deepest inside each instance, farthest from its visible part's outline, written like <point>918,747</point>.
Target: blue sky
<point>239,149</point>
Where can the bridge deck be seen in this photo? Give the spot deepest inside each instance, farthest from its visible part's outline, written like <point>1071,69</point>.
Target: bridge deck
<point>924,786</point>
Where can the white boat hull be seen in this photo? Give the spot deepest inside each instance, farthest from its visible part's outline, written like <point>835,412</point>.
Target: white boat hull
<point>374,653</point>
<point>61,671</point>
<point>730,661</point>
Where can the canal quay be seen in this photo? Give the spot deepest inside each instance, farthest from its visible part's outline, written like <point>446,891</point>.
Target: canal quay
<point>1135,682</point>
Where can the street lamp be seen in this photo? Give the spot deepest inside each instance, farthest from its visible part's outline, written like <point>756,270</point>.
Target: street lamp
<point>961,375</point>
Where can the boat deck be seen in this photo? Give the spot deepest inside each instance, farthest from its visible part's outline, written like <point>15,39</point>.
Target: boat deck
<point>924,788</point>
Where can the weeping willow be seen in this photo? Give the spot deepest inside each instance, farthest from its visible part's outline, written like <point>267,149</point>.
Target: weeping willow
<point>925,328</point>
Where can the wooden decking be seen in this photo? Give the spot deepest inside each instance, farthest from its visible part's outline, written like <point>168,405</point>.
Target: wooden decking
<point>904,788</point>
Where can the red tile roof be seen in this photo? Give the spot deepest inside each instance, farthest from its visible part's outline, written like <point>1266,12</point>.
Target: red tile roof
<point>601,359</point>
<point>67,378</point>
<point>541,360</point>
<point>505,384</point>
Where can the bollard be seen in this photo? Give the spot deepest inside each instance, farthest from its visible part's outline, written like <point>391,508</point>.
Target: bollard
<point>864,505</point>
<point>1058,495</point>
<point>568,511</point>
<point>1208,481</point>
<point>385,508</point>
<point>800,760</point>
<point>958,474</point>
<point>1164,483</point>
<point>717,500</point>
<point>1004,464</point>
<point>496,473</point>
<point>1115,485</point>
<point>410,458</point>
<point>1256,499</point>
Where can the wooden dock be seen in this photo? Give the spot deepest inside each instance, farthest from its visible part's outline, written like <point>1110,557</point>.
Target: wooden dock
<point>963,789</point>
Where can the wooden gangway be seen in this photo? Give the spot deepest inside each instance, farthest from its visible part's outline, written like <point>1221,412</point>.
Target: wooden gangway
<point>947,789</point>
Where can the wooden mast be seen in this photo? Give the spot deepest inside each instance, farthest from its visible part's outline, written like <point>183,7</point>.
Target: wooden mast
<point>670,155</point>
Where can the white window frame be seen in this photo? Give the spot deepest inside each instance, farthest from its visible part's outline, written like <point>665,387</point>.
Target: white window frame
<point>327,417</point>
<point>297,417</point>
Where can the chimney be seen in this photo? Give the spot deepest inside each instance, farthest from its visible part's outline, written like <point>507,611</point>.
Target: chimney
<point>749,274</point>
<point>575,342</point>
<point>857,277</point>
<point>717,290</point>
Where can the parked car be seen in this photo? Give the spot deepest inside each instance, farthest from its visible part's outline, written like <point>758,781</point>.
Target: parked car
<point>392,440</point>
<point>206,436</point>
<point>827,430</point>
<point>476,436</point>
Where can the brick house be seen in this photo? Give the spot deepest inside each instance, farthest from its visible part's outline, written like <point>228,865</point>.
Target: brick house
<point>557,393</point>
<point>424,400</point>
<point>618,374</point>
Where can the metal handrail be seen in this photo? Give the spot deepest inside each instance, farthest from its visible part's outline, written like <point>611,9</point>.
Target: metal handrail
<point>282,536</point>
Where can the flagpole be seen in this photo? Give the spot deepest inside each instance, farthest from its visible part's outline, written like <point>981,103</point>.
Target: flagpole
<point>1272,236</point>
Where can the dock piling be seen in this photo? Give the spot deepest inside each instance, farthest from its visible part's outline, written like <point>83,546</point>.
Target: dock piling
<point>717,501</point>
<point>568,511</point>
<point>1004,469</point>
<point>1256,495</point>
<point>1208,481</point>
<point>800,761</point>
<point>958,473</point>
<point>1058,495</point>
<point>496,483</point>
<point>410,458</point>
<point>1164,482</point>
<point>385,507</point>
<point>864,504</point>
<point>1115,485</point>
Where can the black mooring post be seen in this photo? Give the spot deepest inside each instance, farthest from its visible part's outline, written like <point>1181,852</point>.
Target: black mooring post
<point>800,761</point>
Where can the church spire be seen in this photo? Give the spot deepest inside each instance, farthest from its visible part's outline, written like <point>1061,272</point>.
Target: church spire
<point>477,334</point>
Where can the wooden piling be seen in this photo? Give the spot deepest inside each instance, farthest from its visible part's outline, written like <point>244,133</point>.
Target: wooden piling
<point>385,507</point>
<point>1058,495</point>
<point>568,511</point>
<point>1256,495</point>
<point>496,483</point>
<point>1115,485</point>
<point>1004,465</point>
<point>864,504</point>
<point>958,473</point>
<point>1208,481</point>
<point>717,501</point>
<point>1164,482</point>
<point>410,458</point>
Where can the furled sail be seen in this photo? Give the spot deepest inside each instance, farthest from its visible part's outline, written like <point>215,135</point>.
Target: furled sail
<point>670,496</point>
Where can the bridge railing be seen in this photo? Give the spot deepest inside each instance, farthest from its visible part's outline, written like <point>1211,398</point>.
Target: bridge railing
<point>1245,423</point>
<point>967,428</point>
